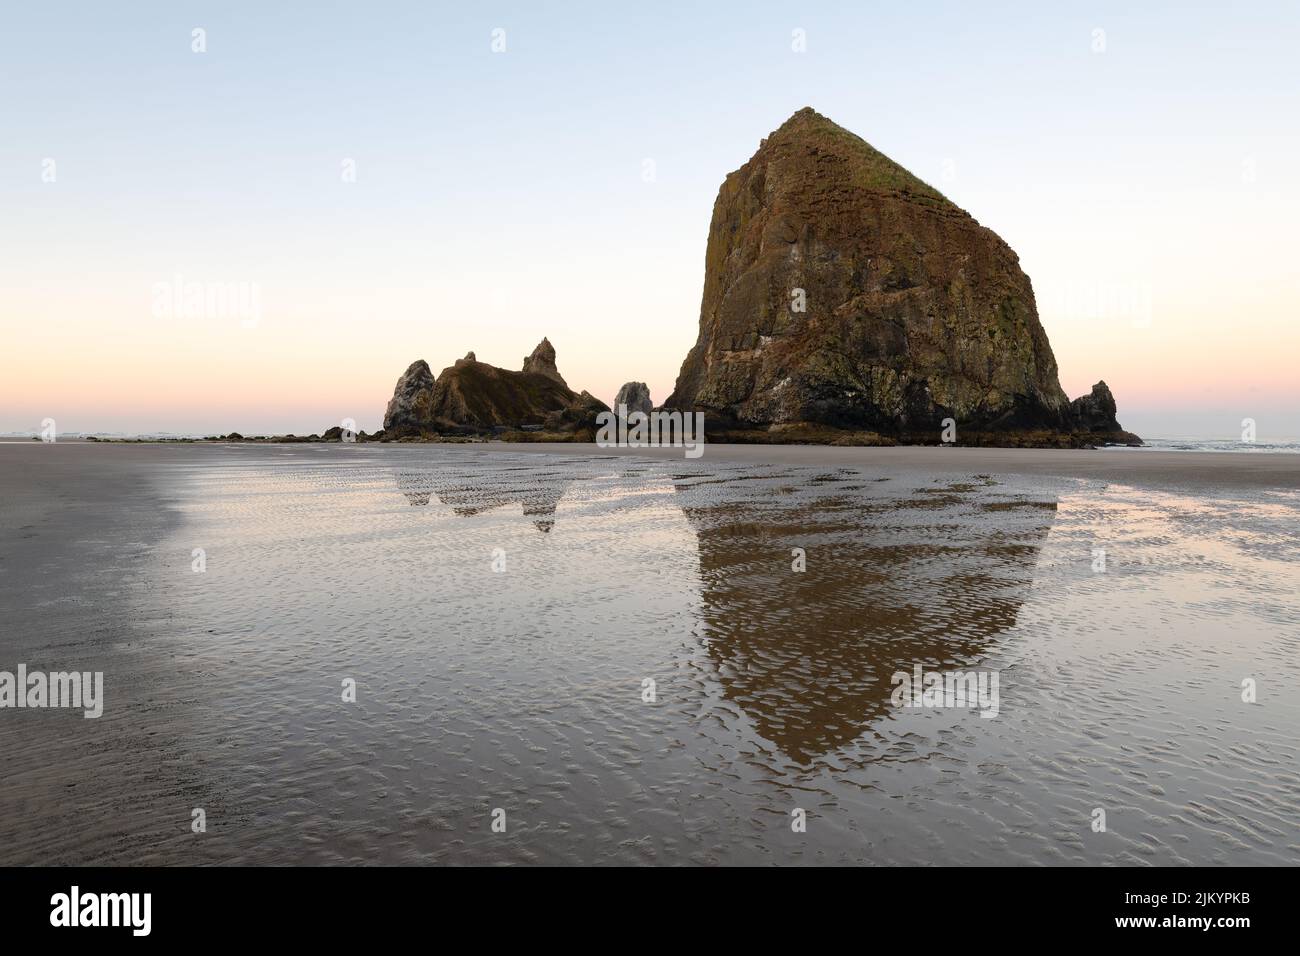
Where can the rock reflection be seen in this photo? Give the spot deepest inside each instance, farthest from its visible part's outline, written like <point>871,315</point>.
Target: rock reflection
<point>809,655</point>
<point>471,492</point>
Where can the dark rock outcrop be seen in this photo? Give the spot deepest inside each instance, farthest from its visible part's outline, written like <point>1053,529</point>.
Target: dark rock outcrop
<point>473,397</point>
<point>636,397</point>
<point>578,416</point>
<point>1094,414</point>
<point>412,403</point>
<point>842,292</point>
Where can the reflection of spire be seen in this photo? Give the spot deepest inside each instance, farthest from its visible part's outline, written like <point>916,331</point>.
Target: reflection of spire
<point>543,509</point>
<point>409,484</point>
<point>809,655</point>
<point>468,493</point>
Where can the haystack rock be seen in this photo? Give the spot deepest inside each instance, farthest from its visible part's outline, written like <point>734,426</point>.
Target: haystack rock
<point>842,291</point>
<point>473,396</point>
<point>636,397</point>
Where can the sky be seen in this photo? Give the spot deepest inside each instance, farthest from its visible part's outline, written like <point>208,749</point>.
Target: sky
<point>353,186</point>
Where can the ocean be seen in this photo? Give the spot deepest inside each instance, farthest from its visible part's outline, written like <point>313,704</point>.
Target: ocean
<point>1285,446</point>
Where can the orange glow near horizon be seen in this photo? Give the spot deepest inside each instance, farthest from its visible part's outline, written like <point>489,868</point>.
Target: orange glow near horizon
<point>97,358</point>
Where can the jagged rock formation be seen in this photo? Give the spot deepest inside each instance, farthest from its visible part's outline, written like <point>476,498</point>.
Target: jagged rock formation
<point>542,362</point>
<point>578,418</point>
<point>474,397</point>
<point>412,401</point>
<point>636,397</point>
<point>1094,414</point>
<point>841,291</point>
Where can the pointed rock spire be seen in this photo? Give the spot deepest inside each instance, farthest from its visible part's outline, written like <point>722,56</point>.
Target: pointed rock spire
<point>412,401</point>
<point>542,361</point>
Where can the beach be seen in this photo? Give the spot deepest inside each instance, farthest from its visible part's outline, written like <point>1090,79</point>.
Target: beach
<point>635,657</point>
<point>1162,468</point>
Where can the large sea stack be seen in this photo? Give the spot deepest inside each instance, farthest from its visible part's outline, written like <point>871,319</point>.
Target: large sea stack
<point>841,292</point>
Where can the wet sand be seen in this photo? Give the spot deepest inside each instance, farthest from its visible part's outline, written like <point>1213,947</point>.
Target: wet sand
<point>1172,469</point>
<point>1132,466</point>
<point>522,688</point>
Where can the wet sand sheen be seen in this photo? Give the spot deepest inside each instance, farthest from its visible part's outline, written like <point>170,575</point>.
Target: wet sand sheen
<point>1130,466</point>
<point>522,688</point>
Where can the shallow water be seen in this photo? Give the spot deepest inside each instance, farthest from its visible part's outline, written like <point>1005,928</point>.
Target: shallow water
<point>501,614</point>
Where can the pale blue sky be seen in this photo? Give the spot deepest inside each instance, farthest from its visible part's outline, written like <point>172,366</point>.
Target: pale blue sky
<point>500,196</point>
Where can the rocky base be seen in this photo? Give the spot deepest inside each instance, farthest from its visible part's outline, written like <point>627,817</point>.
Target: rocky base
<point>798,433</point>
<point>812,433</point>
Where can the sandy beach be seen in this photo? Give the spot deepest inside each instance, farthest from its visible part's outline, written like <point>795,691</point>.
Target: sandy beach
<point>1135,466</point>
<point>501,607</point>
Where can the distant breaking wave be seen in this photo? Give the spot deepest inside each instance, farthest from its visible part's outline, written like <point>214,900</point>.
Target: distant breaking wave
<point>1284,445</point>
